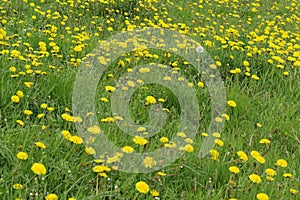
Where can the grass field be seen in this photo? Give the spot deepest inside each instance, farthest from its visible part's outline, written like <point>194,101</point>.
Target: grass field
<point>256,49</point>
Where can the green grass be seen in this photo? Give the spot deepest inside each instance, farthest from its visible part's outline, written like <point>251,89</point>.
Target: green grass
<point>230,32</point>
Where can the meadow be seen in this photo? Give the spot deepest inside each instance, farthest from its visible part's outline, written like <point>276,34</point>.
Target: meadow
<point>255,46</point>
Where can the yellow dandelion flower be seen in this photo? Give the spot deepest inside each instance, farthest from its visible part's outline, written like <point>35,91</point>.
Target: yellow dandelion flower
<point>218,119</point>
<point>51,197</point>
<point>255,77</point>
<point>144,70</point>
<point>139,140</point>
<point>99,161</point>
<point>50,109</point>
<point>167,78</point>
<point>108,119</point>
<point>264,141</point>
<point>101,168</point>
<point>150,100</point>
<point>219,142</point>
<point>113,159</point>
<point>255,178</point>
<point>260,159</point>
<point>259,125</point>
<point>39,169</point>
<point>164,139</point>
<point>154,193</point>
<point>149,162</point>
<point>200,84</point>
<point>66,134</point>
<point>204,134</point>
<point>40,115</point>
<point>246,63</point>
<point>77,119</point>
<point>20,94</point>
<point>180,79</point>
<point>76,139</point>
<point>122,63</point>
<point>287,175</point>
<point>243,156</point>
<point>20,122</point>
<point>297,63</point>
<point>90,151</point>
<point>141,129</point>
<point>22,155</point>
<point>214,154</point>
<point>103,174</point>
<point>15,99</point>
<point>188,140</point>
<point>67,117</point>
<point>142,187</point>
<point>255,154</point>
<point>231,103</point>
<point>78,48</point>
<point>181,134</point>
<point>281,163</point>
<point>130,83</point>
<point>124,88</point>
<point>27,112</point>
<point>226,116</point>
<point>128,149</point>
<point>189,148</point>
<point>161,174</point>
<point>270,172</point>
<point>104,99</point>
<point>233,71</point>
<point>161,100</point>
<point>171,145</point>
<point>17,186</point>
<point>254,10</point>
<point>234,169</point>
<point>103,60</point>
<point>40,145</point>
<point>94,130</point>
<point>12,69</point>
<point>293,191</point>
<point>166,109</point>
<point>15,53</point>
<point>110,88</point>
<point>218,63</point>
<point>118,118</point>
<point>262,196</point>
<point>237,70</point>
<point>216,134</point>
<point>28,84</point>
